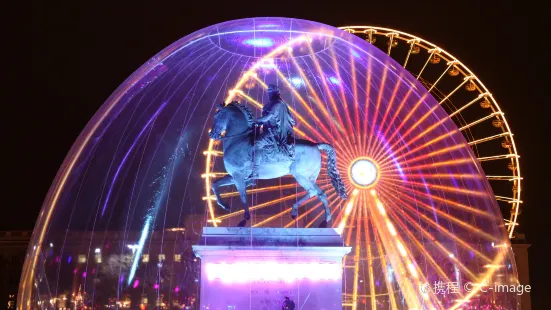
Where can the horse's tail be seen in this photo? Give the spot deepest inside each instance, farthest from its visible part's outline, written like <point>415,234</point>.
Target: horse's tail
<point>332,169</point>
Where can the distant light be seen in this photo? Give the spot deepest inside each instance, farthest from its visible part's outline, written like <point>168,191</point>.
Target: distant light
<point>84,274</point>
<point>451,255</point>
<point>364,172</point>
<point>133,247</point>
<point>334,80</point>
<point>97,250</point>
<point>156,286</point>
<point>136,283</point>
<point>177,289</point>
<point>492,244</point>
<point>297,82</point>
<point>267,64</point>
<point>51,245</point>
<point>390,275</point>
<point>259,42</point>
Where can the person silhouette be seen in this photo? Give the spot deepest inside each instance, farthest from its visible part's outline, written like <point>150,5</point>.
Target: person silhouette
<point>288,304</point>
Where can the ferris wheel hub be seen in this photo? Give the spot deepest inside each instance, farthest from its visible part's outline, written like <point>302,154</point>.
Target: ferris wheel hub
<point>363,172</point>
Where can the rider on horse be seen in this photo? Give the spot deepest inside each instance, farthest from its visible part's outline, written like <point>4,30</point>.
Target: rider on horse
<point>278,127</point>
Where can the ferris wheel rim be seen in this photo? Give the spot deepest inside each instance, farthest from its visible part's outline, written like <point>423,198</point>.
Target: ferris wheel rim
<point>513,219</point>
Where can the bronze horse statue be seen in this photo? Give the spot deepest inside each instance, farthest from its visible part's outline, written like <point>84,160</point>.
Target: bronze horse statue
<point>240,156</point>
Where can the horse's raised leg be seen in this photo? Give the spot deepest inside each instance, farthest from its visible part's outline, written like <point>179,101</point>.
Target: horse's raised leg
<point>223,181</point>
<point>241,186</point>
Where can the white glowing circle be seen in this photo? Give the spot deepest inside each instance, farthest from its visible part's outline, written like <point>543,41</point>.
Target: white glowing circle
<point>363,172</point>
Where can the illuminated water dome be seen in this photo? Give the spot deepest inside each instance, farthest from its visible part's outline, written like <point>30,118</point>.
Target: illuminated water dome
<point>131,197</point>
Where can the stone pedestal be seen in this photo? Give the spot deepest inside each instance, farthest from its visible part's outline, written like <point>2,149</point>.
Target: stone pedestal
<point>256,268</point>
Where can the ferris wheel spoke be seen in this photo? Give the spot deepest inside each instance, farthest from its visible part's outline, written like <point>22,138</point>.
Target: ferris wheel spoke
<point>448,202</point>
<point>503,178</point>
<point>371,136</point>
<point>421,247</point>
<point>449,65</point>
<point>486,139</point>
<point>400,257</point>
<point>497,157</point>
<point>370,258</point>
<point>356,103</point>
<point>397,194</point>
<point>351,227</point>
<point>508,199</point>
<point>465,80</point>
<point>288,210</point>
<point>431,55</point>
<point>255,190</point>
<point>387,160</point>
<point>390,124</point>
<point>262,205</point>
<point>450,189</point>
<point>421,176</point>
<point>411,43</point>
<point>379,142</point>
<point>430,155</point>
<point>341,127</point>
<point>357,255</point>
<point>468,104</point>
<point>404,121</point>
<point>390,288</point>
<point>487,117</point>
<point>325,85</point>
<point>364,135</point>
<point>391,42</point>
<point>341,87</point>
<point>354,128</point>
<point>409,213</point>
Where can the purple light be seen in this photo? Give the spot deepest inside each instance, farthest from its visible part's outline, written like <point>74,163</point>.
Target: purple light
<point>268,26</point>
<point>259,42</point>
<point>267,64</point>
<point>69,259</point>
<point>136,283</point>
<point>156,286</point>
<point>297,82</point>
<point>334,80</point>
<point>84,274</point>
<point>177,289</point>
<point>244,272</point>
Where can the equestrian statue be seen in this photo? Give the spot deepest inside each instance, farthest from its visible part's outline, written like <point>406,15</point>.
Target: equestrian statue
<point>272,154</point>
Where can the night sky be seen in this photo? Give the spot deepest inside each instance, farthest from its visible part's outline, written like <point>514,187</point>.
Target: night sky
<point>67,57</point>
